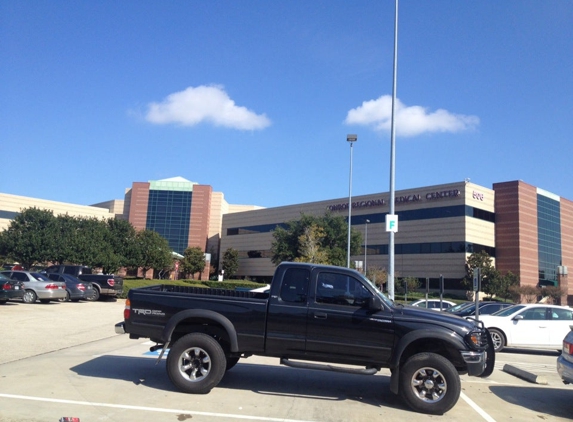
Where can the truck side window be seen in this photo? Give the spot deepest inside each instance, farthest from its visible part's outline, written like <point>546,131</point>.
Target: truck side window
<point>340,289</point>
<point>295,285</point>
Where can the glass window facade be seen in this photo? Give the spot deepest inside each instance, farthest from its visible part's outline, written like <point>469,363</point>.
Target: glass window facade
<point>422,214</point>
<point>169,213</point>
<point>549,239</point>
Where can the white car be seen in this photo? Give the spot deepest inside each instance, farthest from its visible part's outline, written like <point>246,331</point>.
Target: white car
<point>530,326</point>
<point>433,304</point>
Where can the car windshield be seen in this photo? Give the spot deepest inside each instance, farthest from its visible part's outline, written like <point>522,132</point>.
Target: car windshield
<point>382,296</point>
<point>459,307</point>
<point>509,310</point>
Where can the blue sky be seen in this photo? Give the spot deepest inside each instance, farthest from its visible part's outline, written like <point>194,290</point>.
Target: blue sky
<point>256,97</point>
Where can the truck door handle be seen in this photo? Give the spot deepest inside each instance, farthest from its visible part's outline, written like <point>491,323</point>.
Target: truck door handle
<point>320,315</point>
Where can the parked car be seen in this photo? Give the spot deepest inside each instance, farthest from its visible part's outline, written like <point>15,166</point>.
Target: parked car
<point>75,288</point>
<point>10,289</point>
<point>485,308</point>
<point>12,267</point>
<point>565,361</point>
<point>103,284</point>
<point>38,286</point>
<point>530,326</point>
<point>433,304</point>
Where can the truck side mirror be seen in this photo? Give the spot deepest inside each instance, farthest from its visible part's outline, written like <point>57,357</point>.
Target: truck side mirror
<point>374,303</point>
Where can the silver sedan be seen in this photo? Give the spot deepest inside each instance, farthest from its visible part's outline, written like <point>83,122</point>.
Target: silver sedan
<point>38,286</point>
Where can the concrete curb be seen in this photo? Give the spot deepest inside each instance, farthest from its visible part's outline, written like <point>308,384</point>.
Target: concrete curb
<point>527,376</point>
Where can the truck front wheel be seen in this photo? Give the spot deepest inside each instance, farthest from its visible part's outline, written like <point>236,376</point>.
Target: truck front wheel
<point>429,383</point>
<point>196,363</point>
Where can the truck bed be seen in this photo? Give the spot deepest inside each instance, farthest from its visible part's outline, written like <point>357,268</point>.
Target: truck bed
<point>152,307</point>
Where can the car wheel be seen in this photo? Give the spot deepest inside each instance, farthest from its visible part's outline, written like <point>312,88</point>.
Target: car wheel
<point>67,298</point>
<point>498,339</point>
<point>196,363</point>
<point>94,296</point>
<point>429,383</point>
<point>29,296</point>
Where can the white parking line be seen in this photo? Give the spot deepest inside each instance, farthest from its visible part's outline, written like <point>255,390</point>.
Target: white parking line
<point>150,409</point>
<point>478,409</point>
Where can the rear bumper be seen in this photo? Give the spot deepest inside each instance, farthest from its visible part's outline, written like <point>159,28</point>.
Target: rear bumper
<point>110,291</point>
<point>120,328</point>
<point>565,370</point>
<point>52,294</point>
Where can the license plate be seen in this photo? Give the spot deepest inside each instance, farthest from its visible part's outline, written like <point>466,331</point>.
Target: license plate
<point>16,287</point>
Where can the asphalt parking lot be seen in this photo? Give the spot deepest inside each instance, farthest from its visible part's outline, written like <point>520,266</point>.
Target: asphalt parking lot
<point>64,359</point>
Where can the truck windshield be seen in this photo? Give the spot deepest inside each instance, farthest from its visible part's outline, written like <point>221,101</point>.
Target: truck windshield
<point>382,296</point>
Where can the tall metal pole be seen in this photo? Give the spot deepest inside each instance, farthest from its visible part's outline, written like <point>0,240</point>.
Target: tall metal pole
<point>393,159</point>
<point>350,139</point>
<point>366,245</point>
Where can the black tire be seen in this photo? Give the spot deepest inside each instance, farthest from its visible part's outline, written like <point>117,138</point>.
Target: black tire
<point>196,363</point>
<point>94,296</point>
<point>67,298</point>
<point>3,301</point>
<point>429,383</point>
<point>231,362</point>
<point>498,339</point>
<point>29,296</point>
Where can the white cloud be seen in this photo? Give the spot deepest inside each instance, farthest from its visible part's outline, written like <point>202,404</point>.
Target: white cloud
<point>200,104</point>
<point>409,121</point>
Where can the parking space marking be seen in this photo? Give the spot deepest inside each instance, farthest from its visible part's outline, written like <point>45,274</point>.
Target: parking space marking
<point>475,407</point>
<point>151,409</point>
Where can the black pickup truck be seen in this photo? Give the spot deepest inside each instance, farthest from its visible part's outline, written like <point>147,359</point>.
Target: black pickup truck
<point>103,284</point>
<point>313,317</point>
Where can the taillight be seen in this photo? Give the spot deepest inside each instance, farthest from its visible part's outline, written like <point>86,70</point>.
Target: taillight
<point>81,287</point>
<point>6,286</point>
<point>567,347</point>
<point>111,282</point>
<point>127,309</point>
<point>51,286</point>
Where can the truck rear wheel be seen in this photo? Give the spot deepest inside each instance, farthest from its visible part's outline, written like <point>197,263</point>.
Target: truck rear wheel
<point>196,363</point>
<point>429,383</point>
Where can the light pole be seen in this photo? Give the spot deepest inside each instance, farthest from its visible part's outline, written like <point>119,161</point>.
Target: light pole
<point>393,157</point>
<point>350,139</point>
<point>366,245</point>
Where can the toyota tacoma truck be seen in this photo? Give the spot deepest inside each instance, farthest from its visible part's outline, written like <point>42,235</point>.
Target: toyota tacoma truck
<point>103,284</point>
<point>314,317</point>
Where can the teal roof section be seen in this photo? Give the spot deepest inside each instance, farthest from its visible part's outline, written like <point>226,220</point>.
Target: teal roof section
<point>172,184</point>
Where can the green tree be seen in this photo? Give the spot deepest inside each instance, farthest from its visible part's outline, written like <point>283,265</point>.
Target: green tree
<point>30,238</point>
<point>230,262</point>
<point>332,241</point>
<point>193,261</point>
<point>122,238</point>
<point>409,283</point>
<point>502,285</point>
<point>378,276</point>
<point>309,246</point>
<point>67,228</point>
<point>489,274</point>
<point>152,251</point>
